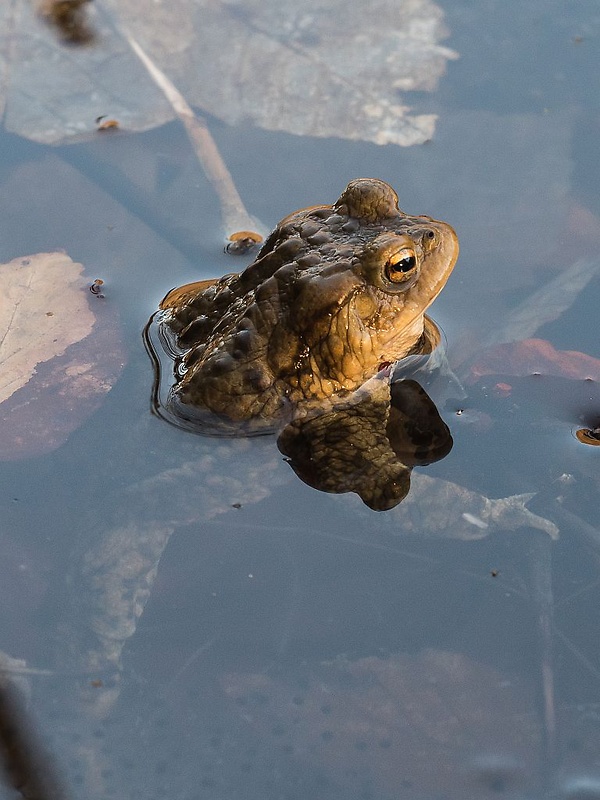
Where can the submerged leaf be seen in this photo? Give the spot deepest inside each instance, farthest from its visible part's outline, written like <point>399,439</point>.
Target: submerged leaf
<point>545,305</point>
<point>436,724</point>
<point>534,356</point>
<point>42,312</point>
<point>53,373</point>
<point>323,69</point>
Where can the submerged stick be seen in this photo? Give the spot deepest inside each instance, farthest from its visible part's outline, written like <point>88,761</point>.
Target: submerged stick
<point>542,595</point>
<point>233,212</point>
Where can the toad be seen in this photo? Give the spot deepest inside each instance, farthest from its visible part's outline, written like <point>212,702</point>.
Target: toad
<point>336,294</point>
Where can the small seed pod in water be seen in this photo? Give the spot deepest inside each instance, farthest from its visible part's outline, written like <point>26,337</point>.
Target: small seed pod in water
<point>589,435</point>
<point>104,124</point>
<point>96,287</point>
<point>242,242</point>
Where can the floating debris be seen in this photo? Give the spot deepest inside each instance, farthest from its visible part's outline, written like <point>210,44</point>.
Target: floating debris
<point>589,436</point>
<point>242,242</point>
<point>69,18</point>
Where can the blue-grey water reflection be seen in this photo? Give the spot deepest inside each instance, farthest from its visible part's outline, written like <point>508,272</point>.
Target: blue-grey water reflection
<point>295,644</point>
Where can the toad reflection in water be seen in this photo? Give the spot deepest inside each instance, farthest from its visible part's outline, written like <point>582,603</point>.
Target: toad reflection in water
<point>323,339</point>
<point>303,341</point>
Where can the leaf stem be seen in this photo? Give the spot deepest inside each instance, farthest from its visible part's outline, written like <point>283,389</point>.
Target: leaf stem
<point>233,212</point>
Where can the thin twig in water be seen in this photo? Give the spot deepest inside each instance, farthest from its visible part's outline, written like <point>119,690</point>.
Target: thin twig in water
<point>197,654</point>
<point>541,579</point>
<point>576,652</point>
<point>590,533</point>
<point>234,215</point>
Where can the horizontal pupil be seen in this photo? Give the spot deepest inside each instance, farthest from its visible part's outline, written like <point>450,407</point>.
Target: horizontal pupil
<point>405,265</point>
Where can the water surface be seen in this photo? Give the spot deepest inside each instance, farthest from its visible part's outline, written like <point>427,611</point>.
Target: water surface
<point>295,643</point>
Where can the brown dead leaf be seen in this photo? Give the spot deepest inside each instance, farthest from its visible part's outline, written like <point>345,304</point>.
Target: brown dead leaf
<point>53,373</point>
<point>534,356</point>
<point>43,310</point>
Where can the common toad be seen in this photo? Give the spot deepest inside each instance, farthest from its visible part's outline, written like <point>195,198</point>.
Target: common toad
<point>335,294</point>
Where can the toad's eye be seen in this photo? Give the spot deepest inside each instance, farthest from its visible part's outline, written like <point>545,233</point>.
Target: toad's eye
<point>400,266</point>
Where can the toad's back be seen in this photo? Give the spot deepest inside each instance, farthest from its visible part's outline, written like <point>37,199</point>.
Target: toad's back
<point>335,293</point>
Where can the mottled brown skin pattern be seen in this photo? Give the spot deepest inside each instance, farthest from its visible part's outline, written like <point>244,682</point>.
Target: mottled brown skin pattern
<point>335,293</point>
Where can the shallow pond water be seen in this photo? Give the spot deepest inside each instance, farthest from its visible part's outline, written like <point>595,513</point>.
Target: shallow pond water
<point>293,643</point>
